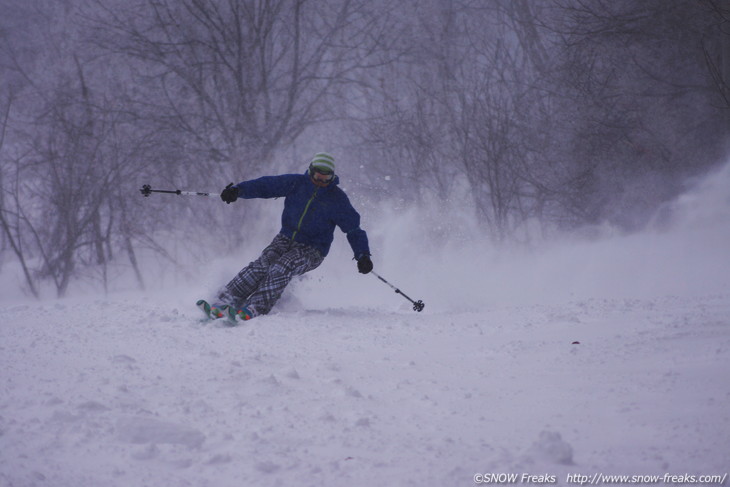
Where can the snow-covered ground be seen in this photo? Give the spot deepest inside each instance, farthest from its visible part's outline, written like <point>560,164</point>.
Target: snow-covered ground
<point>600,357</point>
<point>108,392</point>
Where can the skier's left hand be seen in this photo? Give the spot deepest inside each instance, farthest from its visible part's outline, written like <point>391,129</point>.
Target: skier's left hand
<point>364,264</point>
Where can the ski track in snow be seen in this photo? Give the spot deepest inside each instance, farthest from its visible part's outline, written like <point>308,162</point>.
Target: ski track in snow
<point>117,393</point>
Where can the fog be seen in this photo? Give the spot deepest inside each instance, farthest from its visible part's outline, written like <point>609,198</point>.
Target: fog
<point>682,252</point>
<point>527,140</point>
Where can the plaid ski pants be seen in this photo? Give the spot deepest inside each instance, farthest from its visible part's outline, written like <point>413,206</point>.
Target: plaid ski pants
<point>259,285</point>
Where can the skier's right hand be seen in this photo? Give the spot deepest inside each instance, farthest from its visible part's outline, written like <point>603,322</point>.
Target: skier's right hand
<point>229,194</point>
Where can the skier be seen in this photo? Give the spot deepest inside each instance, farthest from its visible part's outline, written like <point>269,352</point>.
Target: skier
<point>313,206</point>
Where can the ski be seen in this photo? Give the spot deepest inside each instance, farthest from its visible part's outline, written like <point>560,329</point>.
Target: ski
<point>231,314</point>
<point>235,316</point>
<point>210,312</point>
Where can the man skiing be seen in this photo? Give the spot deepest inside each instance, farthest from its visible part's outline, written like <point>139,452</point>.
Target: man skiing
<point>313,206</point>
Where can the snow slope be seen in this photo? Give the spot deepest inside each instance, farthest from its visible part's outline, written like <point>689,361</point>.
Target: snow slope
<point>609,356</point>
<point>110,393</point>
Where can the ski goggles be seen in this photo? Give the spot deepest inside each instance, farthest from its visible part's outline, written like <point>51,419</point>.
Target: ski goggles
<point>326,176</point>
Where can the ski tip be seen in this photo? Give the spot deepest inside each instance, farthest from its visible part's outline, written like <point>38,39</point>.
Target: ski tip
<point>237,316</point>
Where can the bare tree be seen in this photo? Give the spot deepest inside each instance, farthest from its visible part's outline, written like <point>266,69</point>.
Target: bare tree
<point>558,110</point>
<point>71,147</point>
<point>11,217</point>
<point>716,47</point>
<point>240,79</point>
<point>642,71</point>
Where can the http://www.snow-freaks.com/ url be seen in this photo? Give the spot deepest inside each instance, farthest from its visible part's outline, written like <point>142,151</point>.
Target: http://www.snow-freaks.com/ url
<point>600,479</point>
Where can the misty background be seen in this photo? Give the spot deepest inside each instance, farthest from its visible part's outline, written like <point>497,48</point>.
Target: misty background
<point>482,125</point>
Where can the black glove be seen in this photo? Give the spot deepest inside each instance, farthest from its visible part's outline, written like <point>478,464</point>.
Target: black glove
<point>230,194</point>
<point>364,264</point>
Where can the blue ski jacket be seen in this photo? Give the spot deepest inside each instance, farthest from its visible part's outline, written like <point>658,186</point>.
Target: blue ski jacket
<point>310,212</point>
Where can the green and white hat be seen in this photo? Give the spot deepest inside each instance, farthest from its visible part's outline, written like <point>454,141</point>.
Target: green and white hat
<point>323,162</point>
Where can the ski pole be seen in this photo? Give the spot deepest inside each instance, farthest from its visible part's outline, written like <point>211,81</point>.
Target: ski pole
<point>417,305</point>
<point>147,190</point>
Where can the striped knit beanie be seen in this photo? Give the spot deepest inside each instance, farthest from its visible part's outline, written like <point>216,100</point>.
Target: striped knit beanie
<point>323,162</point>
